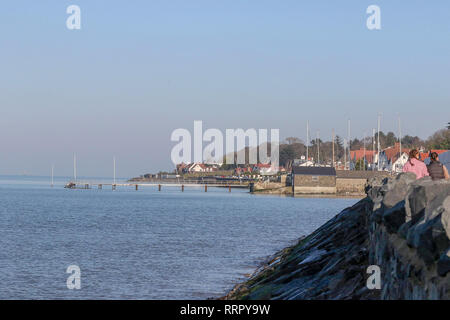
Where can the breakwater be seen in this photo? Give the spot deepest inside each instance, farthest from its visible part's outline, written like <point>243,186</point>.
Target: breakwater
<point>402,226</point>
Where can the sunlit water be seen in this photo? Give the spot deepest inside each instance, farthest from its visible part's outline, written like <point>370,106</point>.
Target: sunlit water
<point>142,244</point>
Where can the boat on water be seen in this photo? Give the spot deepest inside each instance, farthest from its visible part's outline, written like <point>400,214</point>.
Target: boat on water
<point>70,185</point>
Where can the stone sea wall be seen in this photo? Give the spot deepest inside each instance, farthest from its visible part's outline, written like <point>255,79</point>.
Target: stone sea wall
<point>402,226</point>
<point>409,232</point>
<point>346,186</point>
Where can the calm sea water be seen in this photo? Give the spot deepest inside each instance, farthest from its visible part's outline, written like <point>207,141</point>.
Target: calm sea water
<point>142,244</point>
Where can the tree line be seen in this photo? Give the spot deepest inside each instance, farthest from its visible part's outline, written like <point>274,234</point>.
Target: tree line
<point>294,148</point>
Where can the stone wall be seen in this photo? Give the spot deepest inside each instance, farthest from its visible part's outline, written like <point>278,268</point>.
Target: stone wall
<point>350,186</point>
<point>409,232</point>
<point>361,174</point>
<point>402,226</point>
<point>308,184</point>
<point>314,181</point>
<point>353,182</point>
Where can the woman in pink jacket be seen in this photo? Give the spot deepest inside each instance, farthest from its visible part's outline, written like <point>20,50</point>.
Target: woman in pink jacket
<point>415,165</point>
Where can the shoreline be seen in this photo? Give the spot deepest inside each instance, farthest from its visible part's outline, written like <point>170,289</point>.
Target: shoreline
<point>309,196</point>
<point>402,226</point>
<point>265,263</point>
<point>277,277</point>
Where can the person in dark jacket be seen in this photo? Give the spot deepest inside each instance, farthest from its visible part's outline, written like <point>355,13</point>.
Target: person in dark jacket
<point>437,170</point>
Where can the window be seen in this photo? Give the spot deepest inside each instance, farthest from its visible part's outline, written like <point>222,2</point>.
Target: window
<point>315,178</point>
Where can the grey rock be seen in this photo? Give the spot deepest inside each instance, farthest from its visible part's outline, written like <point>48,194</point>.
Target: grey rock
<point>397,189</point>
<point>443,265</point>
<point>407,177</point>
<point>421,193</point>
<point>395,217</point>
<point>377,215</point>
<point>429,238</point>
<point>445,216</point>
<point>404,228</point>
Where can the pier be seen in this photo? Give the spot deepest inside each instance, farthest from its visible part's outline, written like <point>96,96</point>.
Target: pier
<point>136,184</point>
<point>160,186</point>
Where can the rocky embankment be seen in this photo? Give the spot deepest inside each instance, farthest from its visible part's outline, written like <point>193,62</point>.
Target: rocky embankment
<point>402,226</point>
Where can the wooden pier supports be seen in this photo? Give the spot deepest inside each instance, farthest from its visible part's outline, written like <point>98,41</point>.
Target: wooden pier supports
<point>89,185</point>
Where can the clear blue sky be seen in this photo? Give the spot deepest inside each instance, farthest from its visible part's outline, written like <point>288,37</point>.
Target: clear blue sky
<point>137,70</point>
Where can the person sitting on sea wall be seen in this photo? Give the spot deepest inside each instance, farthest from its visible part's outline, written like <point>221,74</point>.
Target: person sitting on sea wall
<point>436,169</point>
<point>415,165</point>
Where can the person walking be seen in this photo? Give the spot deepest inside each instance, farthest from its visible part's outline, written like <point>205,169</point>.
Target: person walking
<point>416,166</point>
<point>436,169</point>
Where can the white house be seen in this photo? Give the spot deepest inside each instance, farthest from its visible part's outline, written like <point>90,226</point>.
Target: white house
<point>397,165</point>
<point>197,167</point>
<point>201,167</point>
<point>308,163</point>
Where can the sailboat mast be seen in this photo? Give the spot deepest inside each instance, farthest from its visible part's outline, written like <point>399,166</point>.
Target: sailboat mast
<point>307,141</point>
<point>364,161</point>
<point>332,138</point>
<point>345,154</point>
<point>348,143</point>
<point>378,142</point>
<point>373,149</point>
<point>400,135</point>
<point>318,147</point>
<point>74,167</point>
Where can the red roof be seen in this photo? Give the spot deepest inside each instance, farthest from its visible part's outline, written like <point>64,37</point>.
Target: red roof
<point>393,153</point>
<point>359,154</point>
<point>424,155</point>
<point>438,151</point>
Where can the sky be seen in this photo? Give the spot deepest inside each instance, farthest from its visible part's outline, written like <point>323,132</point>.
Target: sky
<point>138,70</point>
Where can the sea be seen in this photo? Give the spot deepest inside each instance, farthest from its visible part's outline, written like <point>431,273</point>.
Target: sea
<point>59,243</point>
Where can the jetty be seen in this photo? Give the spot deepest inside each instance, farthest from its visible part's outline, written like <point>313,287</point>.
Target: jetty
<point>160,186</point>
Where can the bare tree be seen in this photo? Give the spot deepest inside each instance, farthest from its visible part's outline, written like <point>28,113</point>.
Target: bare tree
<point>292,140</point>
